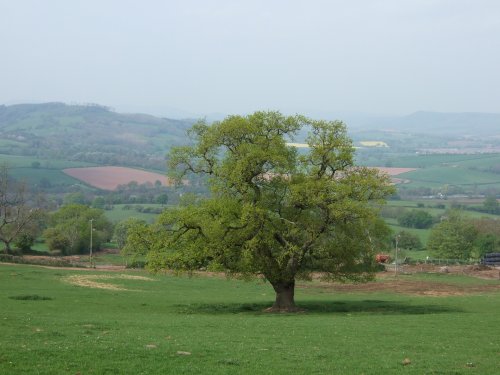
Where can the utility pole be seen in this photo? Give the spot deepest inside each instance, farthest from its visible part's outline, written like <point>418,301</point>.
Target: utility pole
<point>91,232</point>
<point>396,261</point>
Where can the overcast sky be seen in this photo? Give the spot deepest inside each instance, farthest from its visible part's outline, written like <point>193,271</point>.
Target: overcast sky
<point>227,56</point>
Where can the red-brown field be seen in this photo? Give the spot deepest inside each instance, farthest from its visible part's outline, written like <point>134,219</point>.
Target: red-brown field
<point>108,178</point>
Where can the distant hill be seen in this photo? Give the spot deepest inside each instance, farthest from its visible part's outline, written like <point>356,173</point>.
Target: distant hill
<point>96,134</point>
<point>90,133</point>
<point>433,123</point>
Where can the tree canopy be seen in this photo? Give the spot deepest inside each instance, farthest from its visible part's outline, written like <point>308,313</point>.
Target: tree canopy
<point>273,211</point>
<point>409,241</point>
<point>491,205</point>
<point>452,238</point>
<point>69,229</point>
<point>416,219</point>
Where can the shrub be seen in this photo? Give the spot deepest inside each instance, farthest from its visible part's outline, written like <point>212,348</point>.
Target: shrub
<point>24,242</point>
<point>409,241</point>
<point>136,264</point>
<point>416,219</point>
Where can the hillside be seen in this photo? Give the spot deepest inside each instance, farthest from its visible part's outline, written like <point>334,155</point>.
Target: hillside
<point>38,141</point>
<point>432,123</point>
<point>466,124</point>
<point>90,133</point>
<point>96,134</point>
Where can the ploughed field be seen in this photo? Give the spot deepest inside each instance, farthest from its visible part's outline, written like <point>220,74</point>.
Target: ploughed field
<point>109,178</point>
<point>100,322</point>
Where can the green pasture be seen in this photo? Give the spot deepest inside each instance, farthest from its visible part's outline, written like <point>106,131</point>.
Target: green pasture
<point>15,161</point>
<point>9,143</point>
<point>119,213</point>
<point>470,171</point>
<point>423,234</point>
<point>428,206</point>
<point>49,170</point>
<point>32,176</point>
<point>438,176</point>
<point>40,246</point>
<point>463,160</point>
<point>413,205</point>
<point>199,325</point>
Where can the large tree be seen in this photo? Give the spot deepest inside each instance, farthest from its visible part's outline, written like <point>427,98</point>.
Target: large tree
<point>273,211</point>
<point>17,216</point>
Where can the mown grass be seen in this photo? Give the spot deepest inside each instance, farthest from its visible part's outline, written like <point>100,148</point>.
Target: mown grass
<point>214,326</point>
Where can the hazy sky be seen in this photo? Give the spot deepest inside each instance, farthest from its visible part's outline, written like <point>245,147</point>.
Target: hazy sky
<point>230,56</point>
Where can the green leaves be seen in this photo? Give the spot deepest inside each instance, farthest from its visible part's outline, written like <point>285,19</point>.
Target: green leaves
<point>271,211</point>
<point>69,229</point>
<point>331,149</point>
<point>452,238</point>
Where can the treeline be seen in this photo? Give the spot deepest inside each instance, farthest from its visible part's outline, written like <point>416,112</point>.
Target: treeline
<point>420,219</point>
<point>445,193</point>
<point>414,218</point>
<point>131,193</point>
<point>456,237</point>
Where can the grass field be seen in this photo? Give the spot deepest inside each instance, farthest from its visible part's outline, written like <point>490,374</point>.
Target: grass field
<point>32,176</point>
<point>423,234</point>
<point>49,170</point>
<point>464,160</point>
<point>468,171</point>
<point>119,213</point>
<point>438,176</point>
<point>15,161</point>
<point>169,325</point>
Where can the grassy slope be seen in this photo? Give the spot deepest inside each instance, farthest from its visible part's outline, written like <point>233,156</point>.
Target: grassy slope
<point>446,175</point>
<point>462,170</point>
<point>89,126</point>
<point>219,322</point>
<point>15,161</point>
<point>20,168</point>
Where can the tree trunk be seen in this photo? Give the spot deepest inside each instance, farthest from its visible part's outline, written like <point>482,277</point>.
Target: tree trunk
<point>285,301</point>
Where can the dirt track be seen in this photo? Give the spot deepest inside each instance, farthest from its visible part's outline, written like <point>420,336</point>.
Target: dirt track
<point>385,281</point>
<point>419,288</point>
